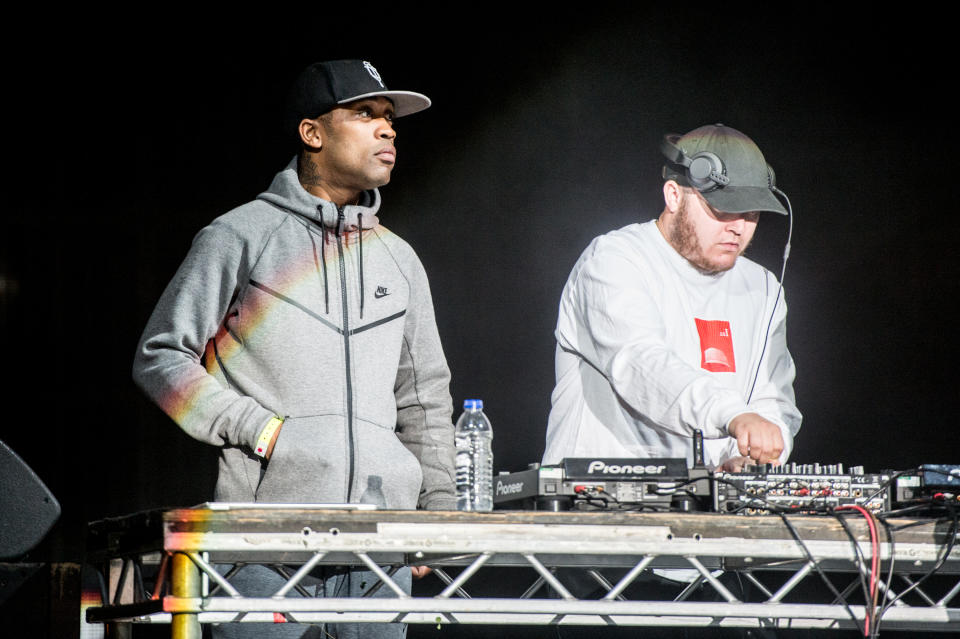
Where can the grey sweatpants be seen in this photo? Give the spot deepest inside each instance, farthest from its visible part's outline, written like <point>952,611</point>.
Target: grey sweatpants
<point>261,581</point>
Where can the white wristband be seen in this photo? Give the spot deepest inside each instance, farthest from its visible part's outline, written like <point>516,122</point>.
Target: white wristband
<point>263,443</point>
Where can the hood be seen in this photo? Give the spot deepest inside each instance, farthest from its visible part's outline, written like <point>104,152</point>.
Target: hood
<point>286,192</point>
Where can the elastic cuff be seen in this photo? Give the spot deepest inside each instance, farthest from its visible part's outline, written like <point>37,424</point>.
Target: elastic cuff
<point>263,443</point>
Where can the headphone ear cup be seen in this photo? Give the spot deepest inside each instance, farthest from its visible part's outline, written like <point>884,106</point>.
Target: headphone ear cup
<point>706,171</point>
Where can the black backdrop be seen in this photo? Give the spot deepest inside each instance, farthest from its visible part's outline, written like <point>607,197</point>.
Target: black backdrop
<point>543,134</point>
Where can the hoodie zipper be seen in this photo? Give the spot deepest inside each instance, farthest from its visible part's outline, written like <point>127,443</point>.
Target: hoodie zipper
<point>346,351</point>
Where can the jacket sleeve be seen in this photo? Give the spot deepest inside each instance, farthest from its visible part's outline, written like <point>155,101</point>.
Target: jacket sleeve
<point>610,318</point>
<point>422,389</point>
<point>168,363</point>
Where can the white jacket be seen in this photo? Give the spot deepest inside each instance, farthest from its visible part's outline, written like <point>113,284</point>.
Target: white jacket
<point>635,377</point>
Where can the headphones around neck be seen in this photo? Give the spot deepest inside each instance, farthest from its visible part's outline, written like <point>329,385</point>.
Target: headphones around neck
<point>705,171</point>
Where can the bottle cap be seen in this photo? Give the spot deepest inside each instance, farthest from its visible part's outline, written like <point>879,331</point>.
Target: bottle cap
<point>473,404</point>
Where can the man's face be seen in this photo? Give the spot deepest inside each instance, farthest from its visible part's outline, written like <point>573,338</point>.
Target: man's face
<point>358,151</point>
<point>710,239</point>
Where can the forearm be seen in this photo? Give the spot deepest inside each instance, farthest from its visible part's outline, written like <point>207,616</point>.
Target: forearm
<point>652,380</point>
<point>194,399</point>
<point>181,335</point>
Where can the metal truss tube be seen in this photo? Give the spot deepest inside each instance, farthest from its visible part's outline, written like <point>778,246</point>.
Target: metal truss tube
<point>852,586</point>
<point>603,581</point>
<point>121,580</point>
<point>919,591</point>
<point>533,588</point>
<point>161,577</point>
<point>756,582</point>
<point>300,574</point>
<point>384,577</point>
<point>594,607</point>
<point>950,595</point>
<point>629,577</point>
<point>549,577</point>
<point>447,579</point>
<point>881,584</point>
<point>468,572</point>
<point>212,572</point>
<point>204,577</point>
<point>185,583</point>
<point>542,612</point>
<point>791,583</point>
<point>690,589</point>
<point>719,587</point>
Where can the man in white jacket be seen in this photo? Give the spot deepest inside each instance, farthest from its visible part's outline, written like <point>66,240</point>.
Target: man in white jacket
<point>664,328</point>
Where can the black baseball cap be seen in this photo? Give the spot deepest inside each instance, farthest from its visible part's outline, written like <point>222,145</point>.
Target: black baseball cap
<point>748,176</point>
<point>323,86</point>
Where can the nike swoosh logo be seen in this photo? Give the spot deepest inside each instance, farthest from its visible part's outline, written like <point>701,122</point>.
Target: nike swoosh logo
<point>381,292</point>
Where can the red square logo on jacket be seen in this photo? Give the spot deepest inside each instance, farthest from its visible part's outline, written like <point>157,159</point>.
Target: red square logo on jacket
<point>716,346</point>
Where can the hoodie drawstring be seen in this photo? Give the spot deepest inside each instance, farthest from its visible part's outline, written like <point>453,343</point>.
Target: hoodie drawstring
<point>323,257</point>
<point>323,260</point>
<point>360,240</point>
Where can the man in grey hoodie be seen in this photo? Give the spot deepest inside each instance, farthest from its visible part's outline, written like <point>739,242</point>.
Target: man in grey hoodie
<point>299,336</point>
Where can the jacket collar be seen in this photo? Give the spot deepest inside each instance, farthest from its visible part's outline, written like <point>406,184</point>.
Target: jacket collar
<point>286,192</point>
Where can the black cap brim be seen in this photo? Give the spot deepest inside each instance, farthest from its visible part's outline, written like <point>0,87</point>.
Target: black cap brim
<point>404,102</point>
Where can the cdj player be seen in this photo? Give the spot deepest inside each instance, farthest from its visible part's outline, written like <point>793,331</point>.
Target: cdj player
<point>599,482</point>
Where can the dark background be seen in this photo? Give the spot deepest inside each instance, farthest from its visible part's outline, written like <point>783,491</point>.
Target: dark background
<point>544,133</point>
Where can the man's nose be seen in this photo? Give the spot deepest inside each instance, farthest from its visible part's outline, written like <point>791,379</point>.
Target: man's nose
<point>385,131</point>
<point>736,225</point>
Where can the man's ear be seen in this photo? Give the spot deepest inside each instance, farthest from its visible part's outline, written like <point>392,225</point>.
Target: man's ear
<point>672,195</point>
<point>310,133</point>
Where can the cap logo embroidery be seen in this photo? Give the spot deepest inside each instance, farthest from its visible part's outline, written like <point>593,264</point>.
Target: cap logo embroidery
<point>716,346</point>
<point>373,73</point>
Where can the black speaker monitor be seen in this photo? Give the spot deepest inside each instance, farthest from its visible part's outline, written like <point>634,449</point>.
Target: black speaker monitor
<point>27,508</point>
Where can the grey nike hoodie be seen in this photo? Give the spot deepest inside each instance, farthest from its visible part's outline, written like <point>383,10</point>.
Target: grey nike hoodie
<point>288,306</point>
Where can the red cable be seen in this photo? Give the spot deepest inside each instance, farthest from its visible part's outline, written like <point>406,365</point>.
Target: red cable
<point>874,559</point>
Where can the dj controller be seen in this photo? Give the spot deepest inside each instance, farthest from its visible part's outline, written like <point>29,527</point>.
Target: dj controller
<point>668,484</point>
<point>581,483</point>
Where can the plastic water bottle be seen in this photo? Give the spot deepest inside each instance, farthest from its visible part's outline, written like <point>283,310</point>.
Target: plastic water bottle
<point>374,492</point>
<point>474,439</point>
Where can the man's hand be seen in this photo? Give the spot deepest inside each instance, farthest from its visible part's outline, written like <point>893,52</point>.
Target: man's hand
<point>757,438</point>
<point>735,464</point>
<point>419,572</point>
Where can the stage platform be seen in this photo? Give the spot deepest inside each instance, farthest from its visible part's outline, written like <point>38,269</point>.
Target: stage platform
<point>515,567</point>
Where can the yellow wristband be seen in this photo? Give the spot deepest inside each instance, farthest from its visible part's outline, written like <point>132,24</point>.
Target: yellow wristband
<point>266,435</point>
